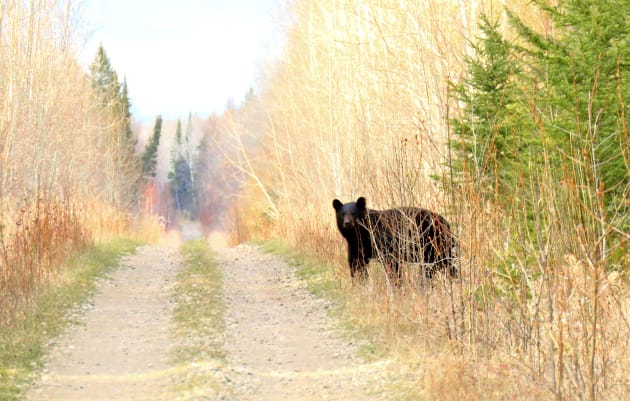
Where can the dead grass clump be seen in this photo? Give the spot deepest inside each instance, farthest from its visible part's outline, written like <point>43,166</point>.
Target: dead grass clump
<point>38,238</point>
<point>34,242</point>
<point>105,222</point>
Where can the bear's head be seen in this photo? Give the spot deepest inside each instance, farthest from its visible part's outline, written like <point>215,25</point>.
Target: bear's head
<point>350,214</point>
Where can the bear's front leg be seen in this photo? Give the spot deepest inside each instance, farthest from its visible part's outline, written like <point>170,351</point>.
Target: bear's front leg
<point>357,262</point>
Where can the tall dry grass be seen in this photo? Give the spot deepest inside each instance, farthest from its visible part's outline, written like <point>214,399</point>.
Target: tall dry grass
<point>56,138</point>
<point>358,106</point>
<point>358,103</point>
<point>62,183</point>
<point>42,235</point>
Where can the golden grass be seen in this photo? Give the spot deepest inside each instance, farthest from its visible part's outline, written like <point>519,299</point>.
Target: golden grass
<point>464,340</point>
<point>37,239</point>
<point>63,183</point>
<point>358,106</point>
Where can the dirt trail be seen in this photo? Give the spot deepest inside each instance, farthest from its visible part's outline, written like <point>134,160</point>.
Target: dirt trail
<point>120,348</point>
<point>280,343</point>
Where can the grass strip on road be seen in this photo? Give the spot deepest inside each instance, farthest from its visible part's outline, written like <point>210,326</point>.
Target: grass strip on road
<point>199,329</point>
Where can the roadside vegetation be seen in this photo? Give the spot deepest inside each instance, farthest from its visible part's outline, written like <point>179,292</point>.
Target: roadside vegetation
<point>69,179</point>
<point>199,327</point>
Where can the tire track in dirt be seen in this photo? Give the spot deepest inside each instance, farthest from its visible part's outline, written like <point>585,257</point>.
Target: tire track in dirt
<point>281,343</point>
<point>120,349</point>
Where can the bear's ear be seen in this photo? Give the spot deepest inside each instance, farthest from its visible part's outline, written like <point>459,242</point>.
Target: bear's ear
<point>361,203</point>
<point>337,204</point>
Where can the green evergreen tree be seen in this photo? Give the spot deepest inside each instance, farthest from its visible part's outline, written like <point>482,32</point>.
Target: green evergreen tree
<point>175,155</point>
<point>178,136</point>
<point>548,109</point>
<point>125,105</point>
<point>105,79</point>
<point>181,176</point>
<point>149,157</point>
<point>181,186</point>
<point>201,163</point>
<point>200,172</point>
<point>491,143</point>
<point>581,77</point>
<point>189,156</point>
<point>129,161</point>
<point>124,171</point>
<point>114,96</point>
<point>570,84</point>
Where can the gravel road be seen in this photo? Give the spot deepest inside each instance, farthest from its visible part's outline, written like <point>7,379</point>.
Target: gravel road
<point>120,348</point>
<point>281,343</point>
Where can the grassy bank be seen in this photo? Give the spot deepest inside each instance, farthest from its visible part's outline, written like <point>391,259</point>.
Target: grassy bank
<point>199,324</point>
<point>23,340</point>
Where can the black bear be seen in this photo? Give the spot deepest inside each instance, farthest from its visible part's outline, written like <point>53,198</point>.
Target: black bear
<point>404,234</point>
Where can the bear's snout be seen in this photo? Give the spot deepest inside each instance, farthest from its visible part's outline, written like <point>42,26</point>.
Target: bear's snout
<point>347,222</point>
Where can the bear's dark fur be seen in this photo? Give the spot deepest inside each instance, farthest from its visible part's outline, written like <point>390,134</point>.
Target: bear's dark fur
<point>404,234</point>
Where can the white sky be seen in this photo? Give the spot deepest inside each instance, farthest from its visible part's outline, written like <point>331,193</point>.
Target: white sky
<point>182,56</point>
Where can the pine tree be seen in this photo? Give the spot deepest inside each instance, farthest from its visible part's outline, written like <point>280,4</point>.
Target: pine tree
<point>104,78</point>
<point>201,165</point>
<point>581,75</point>
<point>491,140</point>
<point>573,83</point>
<point>181,177</point>
<point>175,155</point>
<point>551,109</point>
<point>178,136</point>
<point>149,157</point>
<point>189,157</point>
<point>114,96</point>
<point>123,172</point>
<point>181,185</point>
<point>125,105</point>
